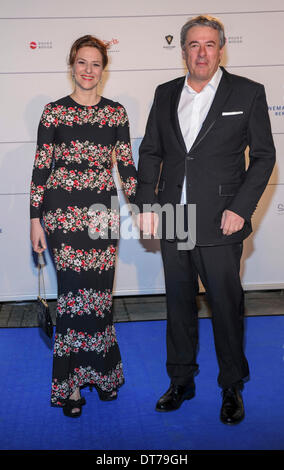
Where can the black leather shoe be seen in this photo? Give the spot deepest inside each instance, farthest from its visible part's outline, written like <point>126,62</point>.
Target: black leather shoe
<point>175,396</point>
<point>232,411</point>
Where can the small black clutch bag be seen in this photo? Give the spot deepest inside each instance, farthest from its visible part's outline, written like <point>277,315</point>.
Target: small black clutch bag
<point>43,313</point>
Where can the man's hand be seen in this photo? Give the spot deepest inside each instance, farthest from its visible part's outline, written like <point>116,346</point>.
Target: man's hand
<point>148,223</point>
<point>231,222</point>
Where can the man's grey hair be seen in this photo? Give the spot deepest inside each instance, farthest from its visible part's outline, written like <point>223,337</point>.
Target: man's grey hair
<point>203,20</point>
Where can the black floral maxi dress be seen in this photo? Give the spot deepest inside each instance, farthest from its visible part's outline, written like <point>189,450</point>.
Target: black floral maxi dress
<point>72,188</point>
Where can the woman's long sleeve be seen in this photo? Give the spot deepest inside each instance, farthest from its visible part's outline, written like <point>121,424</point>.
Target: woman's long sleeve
<point>43,160</point>
<point>123,153</point>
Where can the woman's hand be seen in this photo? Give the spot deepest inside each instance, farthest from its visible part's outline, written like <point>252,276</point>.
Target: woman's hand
<point>37,236</point>
<point>148,223</point>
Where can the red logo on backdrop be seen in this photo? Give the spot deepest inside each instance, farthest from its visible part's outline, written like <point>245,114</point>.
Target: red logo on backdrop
<point>111,44</point>
<point>40,44</point>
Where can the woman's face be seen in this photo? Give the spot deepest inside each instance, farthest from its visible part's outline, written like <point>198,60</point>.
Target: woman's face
<point>87,68</point>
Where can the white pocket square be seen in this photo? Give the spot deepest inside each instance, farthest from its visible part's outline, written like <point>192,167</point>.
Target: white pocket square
<point>232,113</point>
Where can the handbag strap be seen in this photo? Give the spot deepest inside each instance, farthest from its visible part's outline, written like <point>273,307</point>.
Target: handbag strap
<point>40,266</point>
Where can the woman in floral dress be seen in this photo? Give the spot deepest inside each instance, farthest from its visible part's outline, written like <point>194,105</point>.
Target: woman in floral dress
<point>73,190</point>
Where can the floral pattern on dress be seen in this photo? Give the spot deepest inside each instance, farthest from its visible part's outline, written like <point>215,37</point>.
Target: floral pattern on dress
<point>98,222</point>
<point>85,302</point>
<point>75,179</point>
<point>129,186</point>
<point>78,152</point>
<point>123,153</point>
<point>86,375</point>
<point>69,115</point>
<point>94,259</point>
<point>74,341</point>
<point>43,156</point>
<point>103,223</point>
<point>36,194</point>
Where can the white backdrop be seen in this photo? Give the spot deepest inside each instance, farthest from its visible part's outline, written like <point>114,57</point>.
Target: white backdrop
<point>35,38</point>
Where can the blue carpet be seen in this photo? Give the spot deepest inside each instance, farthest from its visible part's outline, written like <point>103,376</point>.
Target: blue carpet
<point>27,422</point>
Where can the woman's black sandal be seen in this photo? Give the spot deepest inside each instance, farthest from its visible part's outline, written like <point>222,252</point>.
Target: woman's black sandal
<point>71,405</point>
<point>105,396</point>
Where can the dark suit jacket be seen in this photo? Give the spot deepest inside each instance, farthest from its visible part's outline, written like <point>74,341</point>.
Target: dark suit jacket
<point>215,168</point>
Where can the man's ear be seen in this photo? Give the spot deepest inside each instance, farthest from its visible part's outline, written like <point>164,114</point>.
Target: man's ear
<point>221,53</point>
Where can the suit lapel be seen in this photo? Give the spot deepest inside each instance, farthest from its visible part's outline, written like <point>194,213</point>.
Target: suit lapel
<point>221,96</point>
<point>174,112</point>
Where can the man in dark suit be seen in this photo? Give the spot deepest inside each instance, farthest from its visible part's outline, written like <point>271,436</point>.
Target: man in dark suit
<point>194,150</point>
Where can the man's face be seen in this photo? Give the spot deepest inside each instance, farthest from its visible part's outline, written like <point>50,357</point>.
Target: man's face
<point>202,54</point>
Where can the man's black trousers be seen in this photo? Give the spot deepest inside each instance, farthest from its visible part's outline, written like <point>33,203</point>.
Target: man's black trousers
<point>218,268</point>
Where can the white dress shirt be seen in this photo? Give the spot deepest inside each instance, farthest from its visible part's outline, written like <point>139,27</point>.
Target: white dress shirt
<point>192,111</point>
